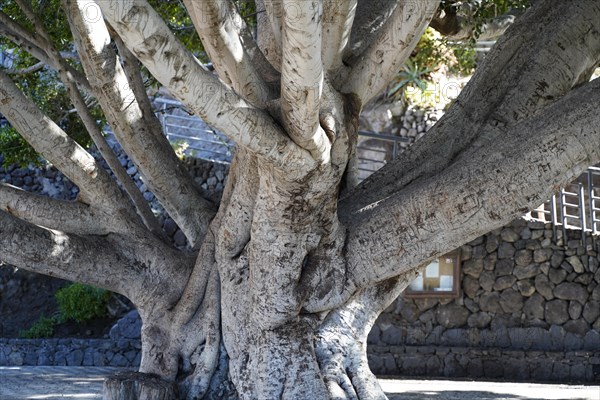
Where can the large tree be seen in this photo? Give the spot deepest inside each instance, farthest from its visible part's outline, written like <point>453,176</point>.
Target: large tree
<point>291,269</point>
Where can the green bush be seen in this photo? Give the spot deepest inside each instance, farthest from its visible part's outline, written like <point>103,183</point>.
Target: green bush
<point>42,328</point>
<point>81,302</point>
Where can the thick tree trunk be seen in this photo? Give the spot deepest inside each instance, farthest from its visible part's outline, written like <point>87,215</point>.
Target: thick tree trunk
<point>284,288</point>
<point>134,386</point>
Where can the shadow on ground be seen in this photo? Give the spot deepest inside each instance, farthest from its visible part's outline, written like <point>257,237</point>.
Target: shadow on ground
<point>462,395</point>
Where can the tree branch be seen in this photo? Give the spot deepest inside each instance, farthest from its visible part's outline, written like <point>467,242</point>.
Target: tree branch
<point>219,26</point>
<point>136,127</point>
<point>370,17</point>
<point>302,76</point>
<point>527,85</point>
<point>92,260</point>
<point>89,122</point>
<point>338,18</point>
<point>483,189</point>
<point>395,41</point>
<point>30,43</point>
<point>68,216</point>
<point>24,71</point>
<point>146,35</point>
<point>265,36</point>
<point>96,186</point>
<point>457,27</point>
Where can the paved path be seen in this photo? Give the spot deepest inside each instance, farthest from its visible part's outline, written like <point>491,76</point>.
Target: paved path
<point>53,383</point>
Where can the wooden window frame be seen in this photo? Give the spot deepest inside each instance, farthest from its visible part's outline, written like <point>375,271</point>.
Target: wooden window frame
<point>456,282</point>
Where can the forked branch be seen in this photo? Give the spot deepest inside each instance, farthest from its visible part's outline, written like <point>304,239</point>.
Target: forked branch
<point>136,127</point>
<point>395,41</point>
<point>481,190</point>
<point>220,26</point>
<point>147,36</point>
<point>96,186</point>
<point>302,76</point>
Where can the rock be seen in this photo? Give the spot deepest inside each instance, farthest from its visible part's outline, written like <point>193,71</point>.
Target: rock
<point>212,181</point>
<point>575,309</point>
<point>523,257</point>
<point>567,267</point>
<point>128,327</point>
<point>532,245</point>
<point>578,327</point>
<point>170,227</point>
<point>479,251</point>
<point>591,311</point>
<point>487,280</point>
<point>504,282</point>
<point>556,312</point>
<point>452,316</point>
<point>571,291</point>
<point>491,243</point>
<point>479,320</point>
<point>504,267</point>
<point>557,275</point>
<point>393,335</point>
<point>490,302</point>
<point>471,305</point>
<point>506,250</point>
<point>179,238</point>
<point>132,171</point>
<point>534,307</point>
<point>409,312</point>
<point>426,303</point>
<point>473,267</point>
<point>466,252</point>
<point>148,196</point>
<point>576,264</point>
<point>489,262</point>
<point>525,272</point>
<point>585,278</point>
<point>591,340</point>
<point>509,235</point>
<point>542,255</point>
<point>470,286</point>
<point>526,233</point>
<point>526,287</point>
<point>511,301</point>
<point>75,358</point>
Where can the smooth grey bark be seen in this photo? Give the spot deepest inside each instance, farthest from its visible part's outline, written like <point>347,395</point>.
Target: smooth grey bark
<point>287,279</point>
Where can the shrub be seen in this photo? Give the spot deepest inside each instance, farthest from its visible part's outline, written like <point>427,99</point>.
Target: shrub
<point>82,302</point>
<point>42,328</point>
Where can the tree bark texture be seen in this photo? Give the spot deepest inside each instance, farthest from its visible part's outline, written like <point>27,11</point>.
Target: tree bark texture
<point>287,278</point>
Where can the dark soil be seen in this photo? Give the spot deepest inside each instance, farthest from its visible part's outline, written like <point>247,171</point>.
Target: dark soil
<point>25,297</point>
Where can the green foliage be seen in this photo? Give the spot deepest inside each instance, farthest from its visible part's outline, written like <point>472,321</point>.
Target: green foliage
<point>482,11</point>
<point>81,302</point>
<point>180,147</point>
<point>431,54</point>
<point>411,75</point>
<point>42,328</point>
<point>15,149</point>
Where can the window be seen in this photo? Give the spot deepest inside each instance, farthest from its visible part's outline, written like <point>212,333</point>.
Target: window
<point>440,278</point>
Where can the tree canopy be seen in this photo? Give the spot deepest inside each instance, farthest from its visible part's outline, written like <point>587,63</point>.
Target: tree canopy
<point>288,273</point>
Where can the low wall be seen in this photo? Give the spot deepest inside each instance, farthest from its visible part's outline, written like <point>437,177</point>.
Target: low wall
<point>493,363</point>
<point>70,352</point>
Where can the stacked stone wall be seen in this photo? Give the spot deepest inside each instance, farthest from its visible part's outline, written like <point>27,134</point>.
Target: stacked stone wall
<point>527,294</point>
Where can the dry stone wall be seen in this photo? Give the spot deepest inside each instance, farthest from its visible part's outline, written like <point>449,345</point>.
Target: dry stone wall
<point>528,296</point>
